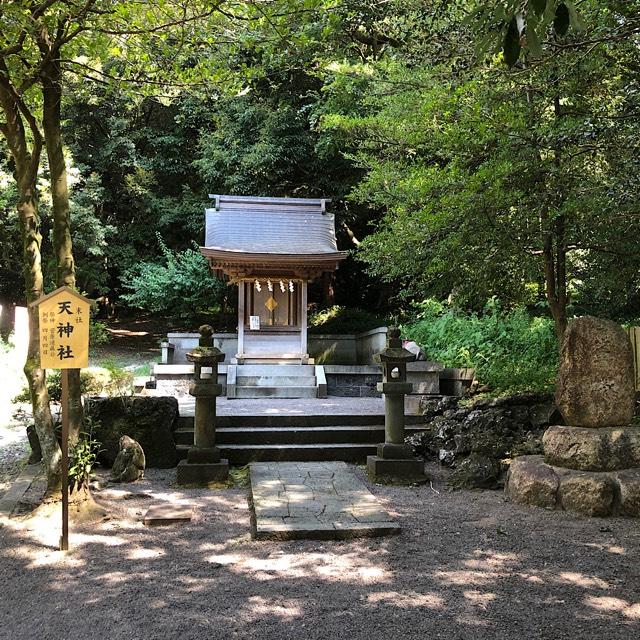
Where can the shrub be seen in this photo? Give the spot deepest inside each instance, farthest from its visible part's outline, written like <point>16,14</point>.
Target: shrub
<point>98,333</point>
<point>82,459</point>
<point>509,350</point>
<point>91,383</point>
<point>342,320</point>
<point>182,288</point>
<point>120,382</point>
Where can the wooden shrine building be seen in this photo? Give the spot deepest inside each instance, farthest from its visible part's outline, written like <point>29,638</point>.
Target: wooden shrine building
<point>271,248</point>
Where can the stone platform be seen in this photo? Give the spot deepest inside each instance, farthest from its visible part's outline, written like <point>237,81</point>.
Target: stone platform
<point>314,500</point>
<point>279,407</point>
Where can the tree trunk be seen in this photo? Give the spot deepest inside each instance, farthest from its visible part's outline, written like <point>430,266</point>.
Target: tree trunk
<point>556,277</point>
<point>328,292</point>
<point>82,507</point>
<point>556,260</point>
<point>26,163</point>
<point>62,243</point>
<point>36,377</point>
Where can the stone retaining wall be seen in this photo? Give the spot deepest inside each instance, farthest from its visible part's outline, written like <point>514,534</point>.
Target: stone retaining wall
<point>475,439</point>
<point>347,349</point>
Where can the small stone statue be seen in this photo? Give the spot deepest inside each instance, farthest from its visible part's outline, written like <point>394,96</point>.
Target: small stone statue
<point>129,463</point>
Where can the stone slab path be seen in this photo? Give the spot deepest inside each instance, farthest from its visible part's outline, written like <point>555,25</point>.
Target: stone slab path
<point>315,500</point>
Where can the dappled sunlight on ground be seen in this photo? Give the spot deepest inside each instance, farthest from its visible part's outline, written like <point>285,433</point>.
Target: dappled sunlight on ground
<point>607,604</point>
<point>482,568</point>
<point>327,566</point>
<point>407,599</point>
<point>587,582</point>
<point>445,576</point>
<point>258,607</point>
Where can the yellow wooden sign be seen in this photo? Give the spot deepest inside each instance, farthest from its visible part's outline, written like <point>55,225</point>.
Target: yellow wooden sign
<point>64,329</point>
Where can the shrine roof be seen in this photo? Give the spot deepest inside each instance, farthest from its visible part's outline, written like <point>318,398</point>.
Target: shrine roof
<point>276,227</point>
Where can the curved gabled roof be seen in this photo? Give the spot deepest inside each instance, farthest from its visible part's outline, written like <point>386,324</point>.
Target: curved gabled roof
<point>271,226</point>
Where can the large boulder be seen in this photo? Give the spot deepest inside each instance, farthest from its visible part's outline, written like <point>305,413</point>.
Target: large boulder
<point>629,491</point>
<point>589,494</point>
<point>595,382</point>
<point>586,449</point>
<point>531,481</point>
<point>147,419</point>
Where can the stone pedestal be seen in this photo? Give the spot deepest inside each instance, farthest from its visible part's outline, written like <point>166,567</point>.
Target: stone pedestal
<point>204,464</point>
<point>395,464</point>
<point>591,466</point>
<point>202,474</point>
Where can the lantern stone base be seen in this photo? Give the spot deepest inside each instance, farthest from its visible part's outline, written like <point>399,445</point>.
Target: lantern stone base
<point>203,473</point>
<point>199,455</point>
<point>533,482</point>
<point>395,470</point>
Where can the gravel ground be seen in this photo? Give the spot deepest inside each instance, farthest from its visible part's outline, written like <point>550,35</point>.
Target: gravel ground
<point>14,451</point>
<point>467,566</point>
<point>14,447</point>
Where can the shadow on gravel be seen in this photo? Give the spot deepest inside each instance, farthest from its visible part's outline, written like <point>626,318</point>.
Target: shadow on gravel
<point>466,566</point>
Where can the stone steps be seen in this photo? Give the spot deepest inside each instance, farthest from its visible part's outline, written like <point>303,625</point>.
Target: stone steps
<point>272,381</point>
<point>261,370</point>
<point>319,437</point>
<point>298,420</point>
<point>289,391</point>
<point>245,453</point>
<point>255,436</point>
<point>276,381</point>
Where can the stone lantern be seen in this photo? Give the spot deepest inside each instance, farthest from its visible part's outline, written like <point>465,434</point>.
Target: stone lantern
<point>203,463</point>
<point>394,462</point>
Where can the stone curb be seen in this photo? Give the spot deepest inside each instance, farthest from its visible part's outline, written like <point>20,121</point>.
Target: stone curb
<point>18,488</point>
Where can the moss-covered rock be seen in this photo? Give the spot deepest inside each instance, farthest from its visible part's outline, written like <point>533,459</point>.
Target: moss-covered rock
<point>149,420</point>
<point>476,472</point>
<point>489,429</point>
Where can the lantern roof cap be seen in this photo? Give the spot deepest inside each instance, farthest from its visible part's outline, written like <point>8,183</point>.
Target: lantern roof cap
<point>394,352</point>
<point>205,356</point>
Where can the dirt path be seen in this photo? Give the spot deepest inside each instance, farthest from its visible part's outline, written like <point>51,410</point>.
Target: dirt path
<point>467,566</point>
<point>132,341</point>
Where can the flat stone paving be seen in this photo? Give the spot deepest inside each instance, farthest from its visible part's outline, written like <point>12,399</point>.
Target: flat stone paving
<point>316,500</point>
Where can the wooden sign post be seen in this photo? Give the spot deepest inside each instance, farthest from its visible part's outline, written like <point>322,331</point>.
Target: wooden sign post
<point>64,344</point>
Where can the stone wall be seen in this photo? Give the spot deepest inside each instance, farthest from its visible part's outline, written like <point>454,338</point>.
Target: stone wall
<point>369,343</point>
<point>352,382</point>
<point>475,439</point>
<point>185,342</point>
<point>345,349</point>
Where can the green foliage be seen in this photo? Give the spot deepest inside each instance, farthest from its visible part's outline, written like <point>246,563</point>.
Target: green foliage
<point>98,333</point>
<point>507,26</point>
<point>82,457</point>
<point>475,172</point>
<point>509,350</point>
<point>91,383</point>
<point>342,320</point>
<point>458,168</point>
<point>120,384</point>
<point>11,277</point>
<point>182,288</point>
